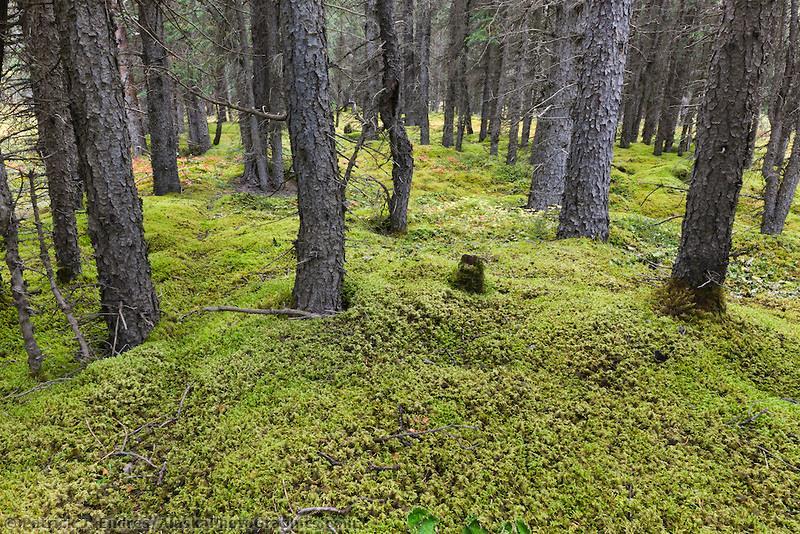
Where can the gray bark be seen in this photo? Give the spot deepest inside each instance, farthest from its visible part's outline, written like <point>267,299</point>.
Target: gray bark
<point>320,193</point>
<point>679,71</point>
<point>56,135</point>
<point>723,134</point>
<point>135,116</point>
<point>160,100</point>
<point>423,56</point>
<point>402,160</point>
<point>9,232</point>
<point>782,115</point>
<point>551,141</point>
<point>459,13</point>
<point>88,51</point>
<point>256,171</point>
<point>199,141</point>
<point>584,211</point>
<point>372,63</point>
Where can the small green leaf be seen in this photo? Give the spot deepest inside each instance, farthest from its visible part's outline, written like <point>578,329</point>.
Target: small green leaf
<point>474,527</point>
<point>420,521</point>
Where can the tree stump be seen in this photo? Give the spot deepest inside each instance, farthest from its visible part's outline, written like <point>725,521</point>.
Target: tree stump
<point>470,276</point>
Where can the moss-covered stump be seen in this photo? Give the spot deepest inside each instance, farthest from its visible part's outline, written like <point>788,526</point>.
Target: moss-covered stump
<point>470,275</point>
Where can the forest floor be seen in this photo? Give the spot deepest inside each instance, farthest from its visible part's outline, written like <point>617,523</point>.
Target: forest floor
<point>562,397</point>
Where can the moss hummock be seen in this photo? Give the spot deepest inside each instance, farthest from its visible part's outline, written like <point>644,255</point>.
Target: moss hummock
<point>569,400</point>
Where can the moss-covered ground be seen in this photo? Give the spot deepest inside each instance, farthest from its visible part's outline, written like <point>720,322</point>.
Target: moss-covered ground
<point>574,403</point>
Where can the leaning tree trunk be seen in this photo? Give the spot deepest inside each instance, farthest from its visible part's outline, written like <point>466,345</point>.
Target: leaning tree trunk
<point>786,191</point>
<point>599,89</point>
<point>723,133</point>
<point>160,100</point>
<point>782,113</point>
<point>403,162</point>
<point>9,232</point>
<point>423,41</point>
<point>88,52</point>
<point>551,141</point>
<point>56,135</point>
<point>320,193</point>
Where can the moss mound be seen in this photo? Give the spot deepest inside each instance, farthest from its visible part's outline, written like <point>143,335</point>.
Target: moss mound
<point>561,396</point>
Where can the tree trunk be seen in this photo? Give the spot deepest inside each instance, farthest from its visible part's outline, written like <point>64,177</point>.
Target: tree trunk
<point>551,141</point>
<point>256,171</point>
<point>408,85</point>
<point>599,90</point>
<point>517,95</point>
<point>486,93</point>
<point>320,193</point>
<point>677,81</point>
<point>56,135</point>
<point>458,34</point>
<point>9,232</point>
<point>723,133</point>
<point>128,299</point>
<point>782,114</point>
<point>786,191</point>
<point>199,141</point>
<point>403,162</point>
<point>423,38</point>
<point>160,100</point>
<point>497,51</point>
<point>135,117</point>
<point>373,70</point>
<point>221,94</point>
<point>275,96</point>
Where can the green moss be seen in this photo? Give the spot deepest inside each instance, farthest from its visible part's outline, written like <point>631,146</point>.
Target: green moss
<point>579,405</point>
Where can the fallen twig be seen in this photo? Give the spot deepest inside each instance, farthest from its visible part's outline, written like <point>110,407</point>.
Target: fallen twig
<point>289,312</point>
<point>418,433</point>
<point>286,528</point>
<point>44,255</point>
<point>330,459</point>
<point>777,457</point>
<point>39,387</point>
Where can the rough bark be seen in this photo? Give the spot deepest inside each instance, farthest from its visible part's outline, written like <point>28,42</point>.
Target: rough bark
<point>551,141</point>
<point>722,143</point>
<point>88,51</point>
<point>679,71</point>
<point>455,76</point>
<point>782,115</point>
<point>256,172</point>
<point>320,193</point>
<point>409,80</point>
<point>135,116</point>
<point>160,100</point>
<point>56,135</point>
<point>402,160</point>
<point>372,65</point>
<point>497,51</point>
<point>423,56</point>
<point>199,141</point>
<point>599,89</point>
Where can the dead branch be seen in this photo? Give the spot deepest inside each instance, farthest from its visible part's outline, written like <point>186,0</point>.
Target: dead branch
<point>39,387</point>
<point>330,459</point>
<point>44,254</point>
<point>286,528</point>
<point>289,312</point>
<point>419,433</point>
